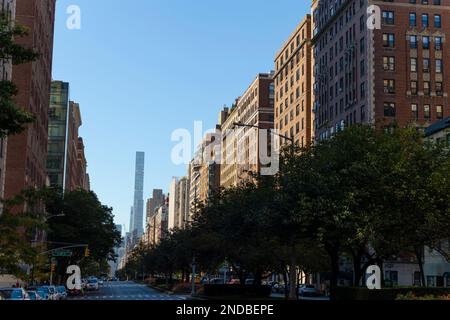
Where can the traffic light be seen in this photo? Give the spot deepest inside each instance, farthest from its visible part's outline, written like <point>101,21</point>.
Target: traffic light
<point>53,267</point>
<point>87,253</point>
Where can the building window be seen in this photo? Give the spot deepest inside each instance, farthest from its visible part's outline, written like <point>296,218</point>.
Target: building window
<point>426,88</point>
<point>389,63</point>
<point>413,87</point>
<point>437,21</point>
<point>426,111</point>
<point>426,42</point>
<point>413,66</point>
<point>414,111</point>
<point>388,17</point>
<point>388,40</point>
<point>389,109</point>
<point>438,43</point>
<point>426,65</point>
<point>412,20</point>
<point>439,112</point>
<point>413,42</point>
<point>389,86</point>
<point>424,20</point>
<point>439,91</point>
<point>438,66</point>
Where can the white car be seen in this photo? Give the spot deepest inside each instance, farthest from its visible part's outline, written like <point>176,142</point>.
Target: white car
<point>92,285</point>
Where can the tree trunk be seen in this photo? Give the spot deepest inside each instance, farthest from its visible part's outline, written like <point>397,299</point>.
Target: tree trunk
<point>333,252</point>
<point>419,258</point>
<point>357,271</point>
<point>286,287</point>
<point>258,278</point>
<point>293,276</point>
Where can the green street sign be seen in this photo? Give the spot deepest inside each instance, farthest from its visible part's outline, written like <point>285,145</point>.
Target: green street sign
<point>62,253</point>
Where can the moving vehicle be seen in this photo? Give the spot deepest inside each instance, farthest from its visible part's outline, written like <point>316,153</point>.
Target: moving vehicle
<point>14,294</point>
<point>308,290</point>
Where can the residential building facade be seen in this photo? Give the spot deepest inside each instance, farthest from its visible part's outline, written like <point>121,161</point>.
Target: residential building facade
<point>154,202</point>
<point>293,86</point>
<point>384,69</point>
<point>27,152</point>
<point>178,203</point>
<point>204,171</point>
<point>7,8</point>
<point>246,131</point>
<point>83,176</point>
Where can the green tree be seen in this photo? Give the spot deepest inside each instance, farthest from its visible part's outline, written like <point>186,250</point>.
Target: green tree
<point>12,118</point>
<point>84,220</point>
<point>17,230</point>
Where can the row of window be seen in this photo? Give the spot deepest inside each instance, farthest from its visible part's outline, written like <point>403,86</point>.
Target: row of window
<point>389,41</point>
<point>390,111</point>
<point>389,19</point>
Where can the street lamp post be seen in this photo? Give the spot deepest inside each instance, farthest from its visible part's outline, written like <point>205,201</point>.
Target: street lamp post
<point>291,140</point>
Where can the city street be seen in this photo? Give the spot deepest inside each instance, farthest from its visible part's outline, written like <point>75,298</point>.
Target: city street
<point>127,291</point>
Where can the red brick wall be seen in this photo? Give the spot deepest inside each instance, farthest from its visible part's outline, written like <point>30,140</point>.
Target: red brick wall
<point>27,152</point>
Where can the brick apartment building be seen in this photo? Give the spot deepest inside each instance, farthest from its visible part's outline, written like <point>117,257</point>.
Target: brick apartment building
<point>7,8</point>
<point>293,86</point>
<point>83,177</point>
<point>204,172</point>
<point>391,73</point>
<point>241,152</point>
<point>27,152</point>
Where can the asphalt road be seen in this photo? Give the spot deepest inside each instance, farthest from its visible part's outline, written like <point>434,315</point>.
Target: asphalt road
<point>126,291</point>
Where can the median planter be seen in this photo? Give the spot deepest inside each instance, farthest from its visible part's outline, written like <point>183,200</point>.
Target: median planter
<point>352,293</point>
<point>225,290</point>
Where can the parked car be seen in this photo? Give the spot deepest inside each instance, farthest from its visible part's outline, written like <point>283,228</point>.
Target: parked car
<point>62,292</point>
<point>308,290</point>
<point>278,288</point>
<point>249,282</point>
<point>92,285</point>
<point>100,282</point>
<point>216,281</point>
<point>234,281</point>
<point>54,292</point>
<point>51,292</point>
<point>34,295</point>
<point>41,291</point>
<point>44,292</point>
<point>14,294</point>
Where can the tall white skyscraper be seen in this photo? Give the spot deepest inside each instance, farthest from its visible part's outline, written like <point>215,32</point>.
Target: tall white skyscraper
<point>137,216</point>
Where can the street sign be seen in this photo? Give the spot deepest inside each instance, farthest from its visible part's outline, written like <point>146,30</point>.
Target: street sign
<point>62,253</point>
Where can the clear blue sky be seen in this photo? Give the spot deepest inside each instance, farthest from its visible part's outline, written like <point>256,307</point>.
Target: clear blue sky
<point>143,68</point>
